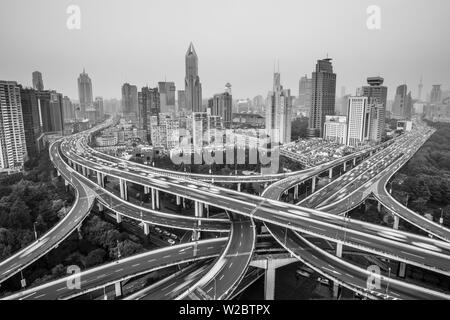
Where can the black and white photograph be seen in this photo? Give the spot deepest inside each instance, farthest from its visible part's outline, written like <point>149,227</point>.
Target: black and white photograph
<point>224,155</point>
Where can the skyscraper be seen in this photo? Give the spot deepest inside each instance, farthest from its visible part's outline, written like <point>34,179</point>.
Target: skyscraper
<point>436,94</point>
<point>419,96</point>
<point>99,109</point>
<point>377,94</point>
<point>38,83</point>
<point>193,87</point>
<point>84,93</point>
<point>305,91</point>
<point>69,109</point>
<point>129,100</point>
<point>149,107</point>
<point>31,120</point>
<point>279,112</point>
<point>167,92</point>
<point>358,125</point>
<point>181,101</point>
<point>323,96</point>
<point>221,105</point>
<point>12,133</point>
<point>50,105</point>
<point>402,107</point>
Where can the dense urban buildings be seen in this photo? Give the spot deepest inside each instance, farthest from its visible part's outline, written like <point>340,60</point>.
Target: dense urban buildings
<point>167,92</point>
<point>193,87</point>
<point>436,94</point>
<point>50,104</point>
<point>221,105</point>
<point>323,96</point>
<point>279,112</point>
<point>305,92</point>
<point>12,134</point>
<point>149,109</point>
<point>129,100</point>
<point>31,120</point>
<point>181,101</point>
<point>69,109</point>
<point>38,83</point>
<point>85,94</point>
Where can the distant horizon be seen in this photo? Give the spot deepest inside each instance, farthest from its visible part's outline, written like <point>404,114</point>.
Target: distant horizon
<point>144,42</point>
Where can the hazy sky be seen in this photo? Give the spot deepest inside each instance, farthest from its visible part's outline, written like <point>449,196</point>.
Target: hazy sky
<point>237,41</point>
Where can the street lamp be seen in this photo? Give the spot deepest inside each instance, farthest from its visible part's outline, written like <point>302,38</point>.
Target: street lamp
<point>35,232</point>
<point>441,219</point>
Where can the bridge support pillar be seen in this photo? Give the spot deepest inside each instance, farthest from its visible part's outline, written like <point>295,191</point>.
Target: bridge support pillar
<point>296,192</point>
<point>379,206</point>
<point>146,190</point>
<point>123,189</point>
<point>118,218</point>
<point>146,228</point>
<point>157,199</point>
<point>313,187</point>
<point>396,222</point>
<point>339,255</point>
<point>354,161</point>
<point>239,187</point>
<point>269,281</point>
<point>345,166</point>
<point>100,207</point>
<point>153,199</point>
<point>84,171</point>
<point>66,183</point>
<point>330,173</point>
<point>199,214</point>
<point>100,179</point>
<point>207,210</point>
<point>118,289</point>
<point>178,200</point>
<point>402,269</point>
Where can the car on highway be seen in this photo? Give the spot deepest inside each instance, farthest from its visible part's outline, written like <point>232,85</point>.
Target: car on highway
<point>323,281</point>
<point>303,273</point>
<point>158,230</point>
<point>173,236</point>
<point>171,241</point>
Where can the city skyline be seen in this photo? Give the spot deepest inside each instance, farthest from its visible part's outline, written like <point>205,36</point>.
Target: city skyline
<point>243,58</point>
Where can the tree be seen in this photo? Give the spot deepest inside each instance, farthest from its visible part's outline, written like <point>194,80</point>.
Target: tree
<point>95,257</point>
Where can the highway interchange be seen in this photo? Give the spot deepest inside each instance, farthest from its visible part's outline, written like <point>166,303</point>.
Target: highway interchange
<point>287,223</point>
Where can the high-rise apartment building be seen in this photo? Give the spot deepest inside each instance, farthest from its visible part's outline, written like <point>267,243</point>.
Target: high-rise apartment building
<point>377,94</point>
<point>358,120</point>
<point>193,87</point>
<point>335,129</point>
<point>12,133</point>
<point>436,94</point>
<point>221,105</point>
<point>181,101</point>
<point>38,83</point>
<point>99,108</point>
<point>323,96</point>
<point>129,100</point>
<point>149,107</point>
<point>305,92</point>
<point>84,93</point>
<point>279,112</point>
<point>402,107</point>
<point>51,111</point>
<point>167,92</point>
<point>68,109</point>
<point>31,120</point>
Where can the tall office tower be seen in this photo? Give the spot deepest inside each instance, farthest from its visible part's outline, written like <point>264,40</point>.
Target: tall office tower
<point>221,105</point>
<point>12,133</point>
<point>402,107</point>
<point>193,87</point>
<point>358,125</point>
<point>377,94</point>
<point>149,108</point>
<point>84,93</point>
<point>436,94</point>
<point>129,100</point>
<point>99,109</point>
<point>305,91</point>
<point>323,96</point>
<point>279,112</point>
<point>68,109</point>
<point>38,83</point>
<point>51,113</point>
<point>343,105</point>
<point>167,96</point>
<point>181,101</point>
<point>419,96</point>
<point>31,120</point>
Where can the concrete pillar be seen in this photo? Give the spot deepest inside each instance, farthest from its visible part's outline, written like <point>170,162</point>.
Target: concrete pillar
<point>84,171</point>
<point>118,289</point>
<point>330,173</point>
<point>100,207</point>
<point>118,218</point>
<point>339,250</point>
<point>146,190</point>
<point>153,199</point>
<point>396,222</point>
<point>402,269</point>
<point>184,203</point>
<point>100,179</point>
<point>269,281</point>
<point>296,192</point>
<point>313,188</point>
<point>207,210</point>
<point>123,189</point>
<point>157,199</point>
<point>354,161</point>
<point>146,229</point>
<point>66,183</point>
<point>345,166</point>
<point>379,206</point>
<point>239,187</point>
<point>178,200</point>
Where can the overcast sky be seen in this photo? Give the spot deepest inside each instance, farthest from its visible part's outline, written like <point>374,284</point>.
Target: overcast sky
<point>237,41</point>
